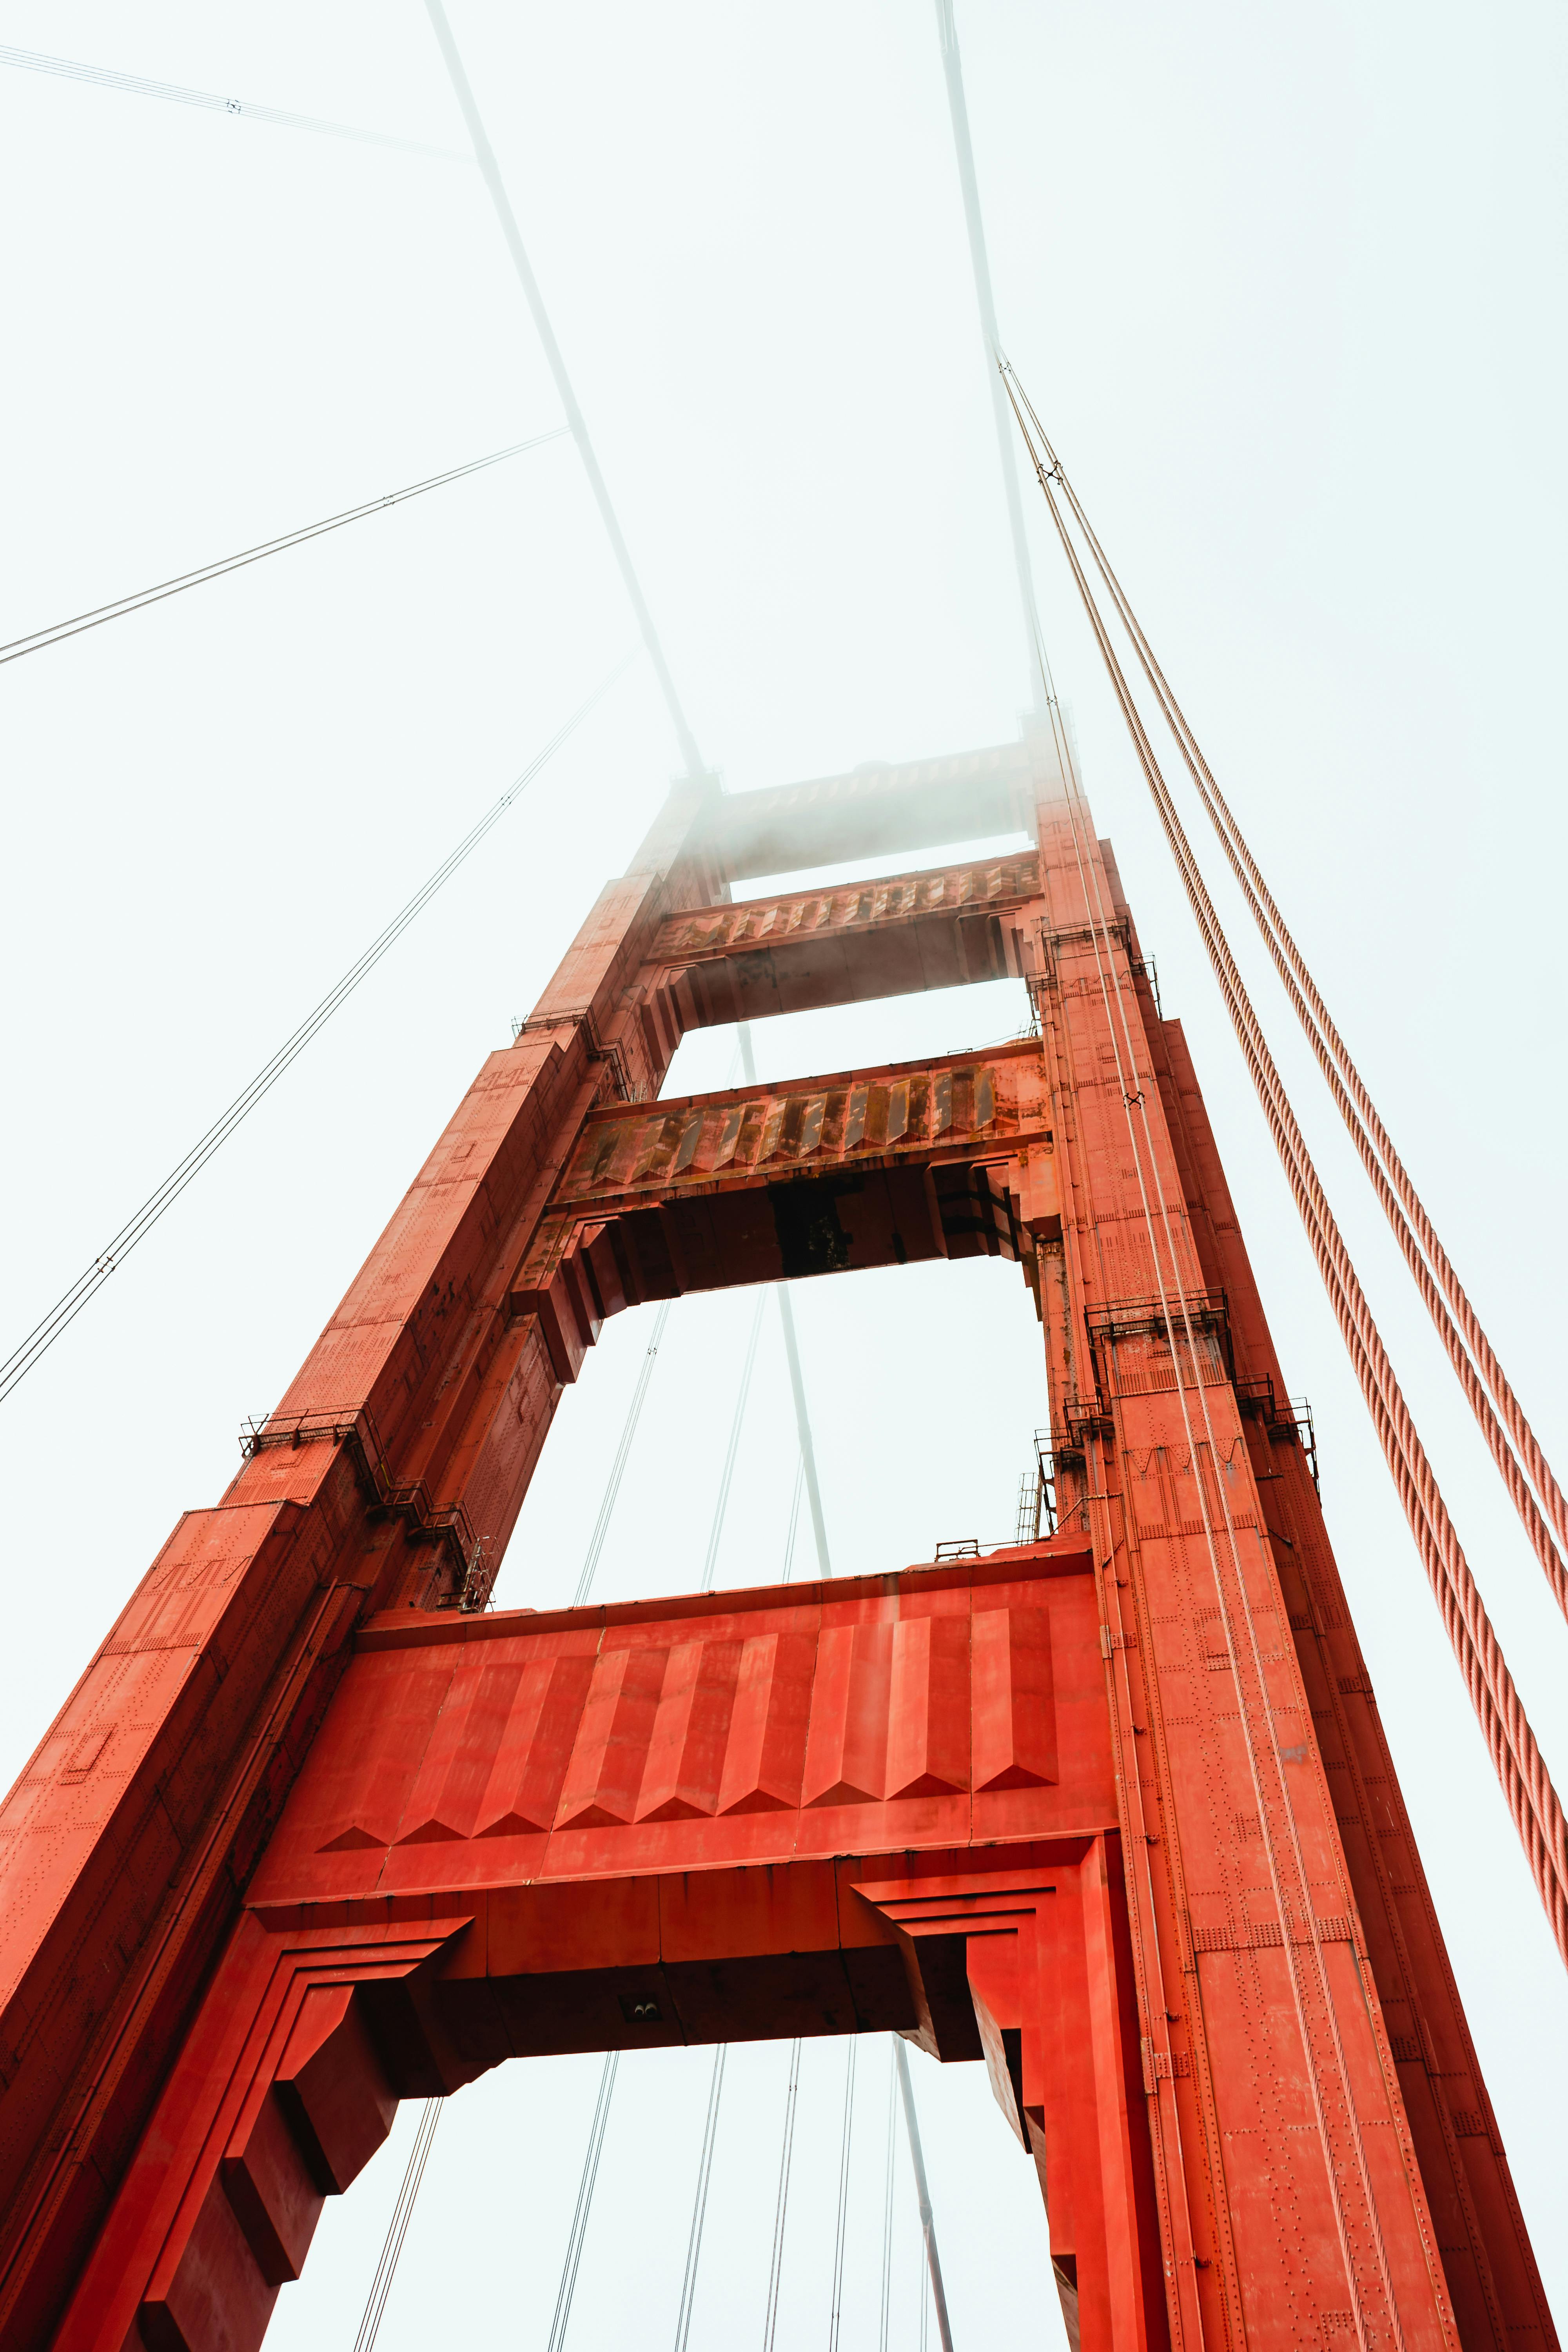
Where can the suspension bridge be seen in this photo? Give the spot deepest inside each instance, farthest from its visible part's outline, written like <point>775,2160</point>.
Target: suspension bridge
<point>1105,1808</point>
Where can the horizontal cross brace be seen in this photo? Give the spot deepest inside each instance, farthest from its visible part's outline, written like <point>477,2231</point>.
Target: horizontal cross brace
<point>876,810</point>
<point>848,946</point>
<point>915,1161</point>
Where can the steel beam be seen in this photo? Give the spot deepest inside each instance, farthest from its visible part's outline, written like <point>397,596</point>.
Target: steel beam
<point>847,946</point>
<point>314,1831</point>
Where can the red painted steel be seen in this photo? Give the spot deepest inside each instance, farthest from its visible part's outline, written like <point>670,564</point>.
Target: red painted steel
<point>1113,1814</point>
<point>849,946</point>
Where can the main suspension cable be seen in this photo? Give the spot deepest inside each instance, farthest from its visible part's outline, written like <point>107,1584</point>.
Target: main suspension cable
<point>140,598</point>
<point>138,85</point>
<point>26,1353</point>
<point>1532,1799</point>
<point>978,262</point>
<point>1433,1272</point>
<point>397,2228</point>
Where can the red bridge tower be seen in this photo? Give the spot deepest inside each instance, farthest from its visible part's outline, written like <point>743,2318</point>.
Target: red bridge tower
<point>1113,1813</point>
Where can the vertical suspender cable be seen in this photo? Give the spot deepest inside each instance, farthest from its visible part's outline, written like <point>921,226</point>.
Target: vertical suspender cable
<point>1308,1983</point>
<point>803,1429</point>
<point>792,1356</point>
<point>1532,1799</point>
<point>922,2194</point>
<point>845,2143</point>
<point>397,2228</point>
<point>700,2205</point>
<point>623,1452</point>
<point>711,1562</point>
<point>490,171</point>
<point>887,2198</point>
<point>793,1518</point>
<point>781,2204</point>
<point>1433,1272</point>
<point>585,2206</point>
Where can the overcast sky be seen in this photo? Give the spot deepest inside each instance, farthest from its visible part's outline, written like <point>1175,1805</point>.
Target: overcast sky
<point>1287,286</point>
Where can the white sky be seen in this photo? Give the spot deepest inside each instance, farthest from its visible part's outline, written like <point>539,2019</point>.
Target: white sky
<point>1287,289</point>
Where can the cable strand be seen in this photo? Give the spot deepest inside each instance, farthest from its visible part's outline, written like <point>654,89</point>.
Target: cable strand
<point>44,1334</point>
<point>1433,1272</point>
<point>56,632</point>
<point>1532,1799</point>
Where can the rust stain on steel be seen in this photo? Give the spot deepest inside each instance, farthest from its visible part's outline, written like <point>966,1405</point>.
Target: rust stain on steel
<point>960,1107</point>
<point>992,884</point>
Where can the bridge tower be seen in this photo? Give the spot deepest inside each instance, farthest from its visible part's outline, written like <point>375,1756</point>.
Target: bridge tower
<point>1111,1811</point>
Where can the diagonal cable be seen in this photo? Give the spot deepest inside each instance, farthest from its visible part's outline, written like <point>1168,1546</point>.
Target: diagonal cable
<point>138,85</point>
<point>484,155</point>
<point>1475,1364</point>
<point>1522,1771</point>
<point>36,639</point>
<point>23,1357</point>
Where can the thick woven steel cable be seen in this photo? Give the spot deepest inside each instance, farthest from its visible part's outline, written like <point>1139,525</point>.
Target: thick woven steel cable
<point>1532,1799</point>
<point>1433,1272</point>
